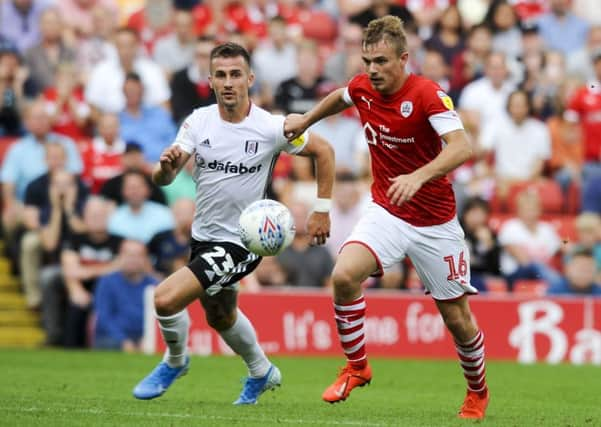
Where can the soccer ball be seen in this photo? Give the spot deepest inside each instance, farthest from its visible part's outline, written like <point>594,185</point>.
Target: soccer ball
<point>266,227</point>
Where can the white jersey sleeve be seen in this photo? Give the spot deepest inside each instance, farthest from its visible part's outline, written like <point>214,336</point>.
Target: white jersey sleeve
<point>185,138</point>
<point>346,97</point>
<point>292,147</point>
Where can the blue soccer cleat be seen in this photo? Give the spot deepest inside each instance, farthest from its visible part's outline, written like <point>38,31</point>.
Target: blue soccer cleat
<point>255,387</point>
<point>158,381</point>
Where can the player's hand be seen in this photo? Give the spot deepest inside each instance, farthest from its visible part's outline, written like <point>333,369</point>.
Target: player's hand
<point>80,297</point>
<point>294,126</point>
<point>318,227</point>
<point>404,188</point>
<point>169,158</point>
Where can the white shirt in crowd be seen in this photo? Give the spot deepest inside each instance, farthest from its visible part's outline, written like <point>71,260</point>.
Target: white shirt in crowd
<point>233,163</point>
<point>517,148</point>
<point>105,86</point>
<point>540,245</point>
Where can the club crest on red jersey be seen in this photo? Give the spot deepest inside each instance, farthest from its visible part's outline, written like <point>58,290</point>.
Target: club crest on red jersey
<point>406,108</point>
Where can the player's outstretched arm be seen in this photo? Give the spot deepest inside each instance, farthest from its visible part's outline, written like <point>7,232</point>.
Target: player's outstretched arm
<point>296,124</point>
<point>318,225</point>
<point>458,150</point>
<point>172,160</point>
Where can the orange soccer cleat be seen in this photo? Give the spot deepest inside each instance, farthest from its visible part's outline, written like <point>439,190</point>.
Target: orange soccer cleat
<point>347,380</point>
<point>474,406</point>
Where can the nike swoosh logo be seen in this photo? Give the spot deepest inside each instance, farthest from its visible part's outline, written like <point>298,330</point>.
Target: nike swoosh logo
<point>342,389</point>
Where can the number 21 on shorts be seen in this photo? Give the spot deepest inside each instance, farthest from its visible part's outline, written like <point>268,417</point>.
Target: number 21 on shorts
<point>456,270</point>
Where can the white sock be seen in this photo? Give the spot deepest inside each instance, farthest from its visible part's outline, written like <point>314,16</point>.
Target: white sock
<point>175,333</point>
<point>243,340</point>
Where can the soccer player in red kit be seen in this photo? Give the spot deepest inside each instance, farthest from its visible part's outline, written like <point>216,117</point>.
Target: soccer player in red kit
<point>406,118</point>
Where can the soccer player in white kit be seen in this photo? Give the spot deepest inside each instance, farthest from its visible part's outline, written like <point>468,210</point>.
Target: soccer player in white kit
<point>412,214</point>
<point>234,145</point>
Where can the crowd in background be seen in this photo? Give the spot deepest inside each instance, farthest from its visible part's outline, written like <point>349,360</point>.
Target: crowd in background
<point>91,92</point>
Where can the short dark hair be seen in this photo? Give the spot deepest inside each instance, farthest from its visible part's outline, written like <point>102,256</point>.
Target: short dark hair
<point>518,92</point>
<point>129,30</point>
<point>230,50</point>
<point>131,75</point>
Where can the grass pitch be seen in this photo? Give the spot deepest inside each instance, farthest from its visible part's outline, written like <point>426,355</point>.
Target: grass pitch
<point>58,388</point>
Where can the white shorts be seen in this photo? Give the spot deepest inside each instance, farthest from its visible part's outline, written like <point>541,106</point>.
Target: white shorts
<point>439,253</point>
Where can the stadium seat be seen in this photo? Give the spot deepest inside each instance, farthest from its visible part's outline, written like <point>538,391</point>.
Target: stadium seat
<point>530,287</point>
<point>548,191</point>
<point>565,225</point>
<point>496,285</point>
<point>319,26</point>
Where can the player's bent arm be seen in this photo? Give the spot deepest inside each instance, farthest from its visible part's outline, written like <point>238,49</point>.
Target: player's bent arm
<point>171,162</point>
<point>332,104</point>
<point>458,150</point>
<point>323,154</point>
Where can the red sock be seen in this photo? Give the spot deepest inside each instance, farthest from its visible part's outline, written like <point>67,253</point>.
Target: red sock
<point>471,356</point>
<point>350,319</point>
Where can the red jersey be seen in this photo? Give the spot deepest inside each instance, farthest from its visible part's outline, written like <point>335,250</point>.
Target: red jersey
<point>66,122</point>
<point>585,107</point>
<point>400,131</point>
<point>101,162</point>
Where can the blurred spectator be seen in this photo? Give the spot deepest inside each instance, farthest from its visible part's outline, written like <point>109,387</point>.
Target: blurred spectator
<point>448,35</point>
<point>470,64</point>
<point>170,249</point>
<point>528,243</point>
<point>544,72</point>
<point>581,276</point>
<point>529,10</point>
<point>376,9</point>
<point>561,29</point>
<point>119,300</point>
<point>426,14</point>
<point>305,265</point>
<point>270,273</point>
<point>103,156</point>
<point>96,46</point>
<point>346,210</point>
<point>176,51</point>
<point>85,257</point>
<point>585,107</point>
<point>415,48</point>
<point>69,113</point>
<point>300,93</point>
<point>15,87</point>
<point>152,22</point>
<point>138,218</point>
<point>79,15</point>
<point>275,60</point>
<point>43,58</point>
<point>507,36</point>
<point>132,160</point>
<point>435,69</point>
<point>24,161</point>
<point>341,132</point>
<point>566,141</point>
<point>345,62</point>
<point>588,230</point>
<point>19,20</point>
<point>517,132</point>
<point>42,210</point>
<point>580,62</point>
<point>482,242</point>
<point>104,90</point>
<point>591,194</point>
<point>589,10</point>
<point>150,125</point>
<point>483,101</point>
<point>190,87</point>
<point>183,186</point>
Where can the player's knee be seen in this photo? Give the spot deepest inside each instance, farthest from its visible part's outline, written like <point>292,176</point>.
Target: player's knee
<point>345,285</point>
<point>164,304</point>
<point>220,320</point>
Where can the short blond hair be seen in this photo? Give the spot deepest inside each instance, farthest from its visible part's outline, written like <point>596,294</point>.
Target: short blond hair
<point>389,28</point>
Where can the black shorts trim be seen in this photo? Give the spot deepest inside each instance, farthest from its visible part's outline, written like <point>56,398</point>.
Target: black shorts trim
<point>220,264</point>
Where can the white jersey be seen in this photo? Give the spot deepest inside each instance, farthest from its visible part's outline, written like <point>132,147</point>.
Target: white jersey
<point>233,163</point>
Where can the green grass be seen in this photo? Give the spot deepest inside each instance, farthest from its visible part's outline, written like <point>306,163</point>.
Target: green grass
<point>56,388</point>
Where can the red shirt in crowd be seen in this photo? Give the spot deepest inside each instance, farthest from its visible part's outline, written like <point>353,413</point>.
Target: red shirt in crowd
<point>585,107</point>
